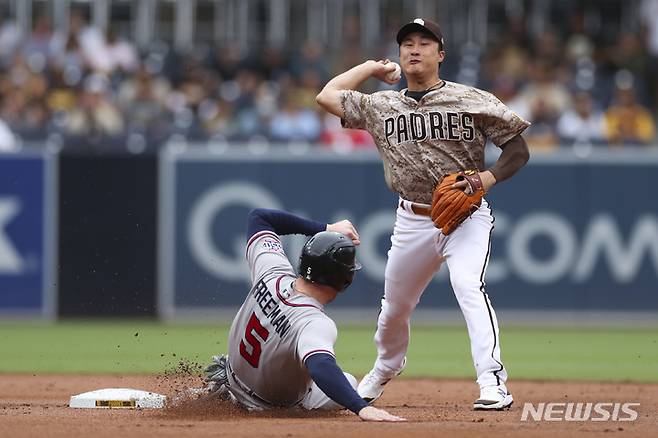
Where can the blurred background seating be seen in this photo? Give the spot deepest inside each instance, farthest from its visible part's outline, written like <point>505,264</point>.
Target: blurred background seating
<point>101,74</point>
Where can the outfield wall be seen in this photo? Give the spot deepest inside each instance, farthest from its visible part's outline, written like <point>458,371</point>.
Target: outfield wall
<point>28,229</point>
<point>120,235</point>
<point>568,235</point>
<point>107,235</point>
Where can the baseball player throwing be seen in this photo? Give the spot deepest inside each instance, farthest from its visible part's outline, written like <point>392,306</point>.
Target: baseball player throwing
<point>281,343</point>
<point>423,133</point>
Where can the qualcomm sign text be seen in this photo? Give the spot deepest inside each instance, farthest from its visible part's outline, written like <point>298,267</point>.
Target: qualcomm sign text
<point>561,248</point>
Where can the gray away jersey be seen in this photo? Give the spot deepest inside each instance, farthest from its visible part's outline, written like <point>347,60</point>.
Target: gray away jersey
<point>420,142</point>
<point>274,332</point>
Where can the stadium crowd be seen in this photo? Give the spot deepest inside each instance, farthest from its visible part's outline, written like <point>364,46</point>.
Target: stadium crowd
<point>93,89</point>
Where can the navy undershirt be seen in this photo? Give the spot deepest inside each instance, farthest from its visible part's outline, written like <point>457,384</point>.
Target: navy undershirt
<point>330,379</point>
<point>281,223</point>
<point>416,95</point>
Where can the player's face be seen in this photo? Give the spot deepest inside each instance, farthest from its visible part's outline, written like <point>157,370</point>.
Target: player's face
<point>420,55</point>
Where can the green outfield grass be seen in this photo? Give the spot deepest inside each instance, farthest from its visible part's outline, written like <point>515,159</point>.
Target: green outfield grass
<point>435,351</point>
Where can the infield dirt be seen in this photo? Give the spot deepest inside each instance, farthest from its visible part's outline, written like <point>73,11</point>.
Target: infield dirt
<point>36,406</point>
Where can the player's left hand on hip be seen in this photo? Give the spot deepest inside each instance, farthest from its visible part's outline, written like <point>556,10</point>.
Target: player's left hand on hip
<point>345,227</point>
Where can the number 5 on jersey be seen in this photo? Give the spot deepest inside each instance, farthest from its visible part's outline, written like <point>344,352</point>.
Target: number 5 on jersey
<point>253,325</point>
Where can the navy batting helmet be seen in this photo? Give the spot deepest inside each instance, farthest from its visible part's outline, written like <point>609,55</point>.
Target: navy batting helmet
<point>329,258</point>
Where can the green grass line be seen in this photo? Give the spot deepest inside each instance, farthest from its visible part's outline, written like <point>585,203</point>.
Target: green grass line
<point>435,351</point>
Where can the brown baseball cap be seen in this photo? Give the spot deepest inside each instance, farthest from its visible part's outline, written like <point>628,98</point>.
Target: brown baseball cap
<point>421,25</point>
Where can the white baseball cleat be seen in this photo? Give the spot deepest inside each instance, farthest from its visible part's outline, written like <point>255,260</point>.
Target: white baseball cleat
<point>371,386</point>
<point>493,398</point>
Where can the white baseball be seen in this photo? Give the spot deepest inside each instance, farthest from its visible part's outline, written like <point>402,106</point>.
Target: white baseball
<point>395,74</point>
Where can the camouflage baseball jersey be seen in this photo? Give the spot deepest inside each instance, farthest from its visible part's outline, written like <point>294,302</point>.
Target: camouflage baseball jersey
<point>274,332</point>
<point>420,142</point>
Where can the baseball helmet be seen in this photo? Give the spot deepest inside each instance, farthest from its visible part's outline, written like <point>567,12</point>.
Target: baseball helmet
<point>329,258</point>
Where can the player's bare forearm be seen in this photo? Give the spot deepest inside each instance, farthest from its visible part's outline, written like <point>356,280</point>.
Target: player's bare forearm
<point>514,156</point>
<point>329,97</point>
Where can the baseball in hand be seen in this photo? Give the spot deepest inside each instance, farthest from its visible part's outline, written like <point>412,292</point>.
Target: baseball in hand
<point>395,74</point>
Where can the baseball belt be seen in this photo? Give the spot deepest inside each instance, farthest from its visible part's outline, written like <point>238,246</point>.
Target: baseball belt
<point>239,383</point>
<point>419,209</point>
<point>245,388</point>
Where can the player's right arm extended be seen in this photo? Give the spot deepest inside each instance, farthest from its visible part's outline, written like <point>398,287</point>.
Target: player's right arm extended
<point>281,223</point>
<point>330,96</point>
<point>326,373</point>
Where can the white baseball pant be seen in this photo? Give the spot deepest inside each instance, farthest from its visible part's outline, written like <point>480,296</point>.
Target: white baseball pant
<point>417,252</point>
<point>317,399</point>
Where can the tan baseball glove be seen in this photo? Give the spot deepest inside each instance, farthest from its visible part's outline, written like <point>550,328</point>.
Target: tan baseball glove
<point>451,206</point>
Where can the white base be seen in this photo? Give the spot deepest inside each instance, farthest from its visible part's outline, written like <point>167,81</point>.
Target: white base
<point>117,398</point>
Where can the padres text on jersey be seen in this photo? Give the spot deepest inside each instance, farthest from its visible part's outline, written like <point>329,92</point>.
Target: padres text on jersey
<point>419,142</point>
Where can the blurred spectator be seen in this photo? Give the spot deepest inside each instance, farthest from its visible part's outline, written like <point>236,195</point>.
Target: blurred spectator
<point>512,63</point>
<point>243,93</point>
<point>544,92</point>
<point>628,58</point>
<point>311,57</point>
<point>13,104</point>
<point>91,42</point>
<point>227,60</point>
<point>38,49</point>
<point>583,124</point>
<point>649,18</point>
<point>7,140</point>
<point>95,115</point>
<point>49,81</point>
<point>61,96</point>
<point>548,49</point>
<point>10,37</point>
<point>309,84</point>
<point>293,123</point>
<point>35,119</point>
<point>579,44</point>
<point>142,99</point>
<point>628,122</point>
<point>628,54</point>
<point>121,53</point>
<point>344,140</point>
<point>70,57</point>
<point>274,63</point>
<point>218,120</point>
<point>541,135</point>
